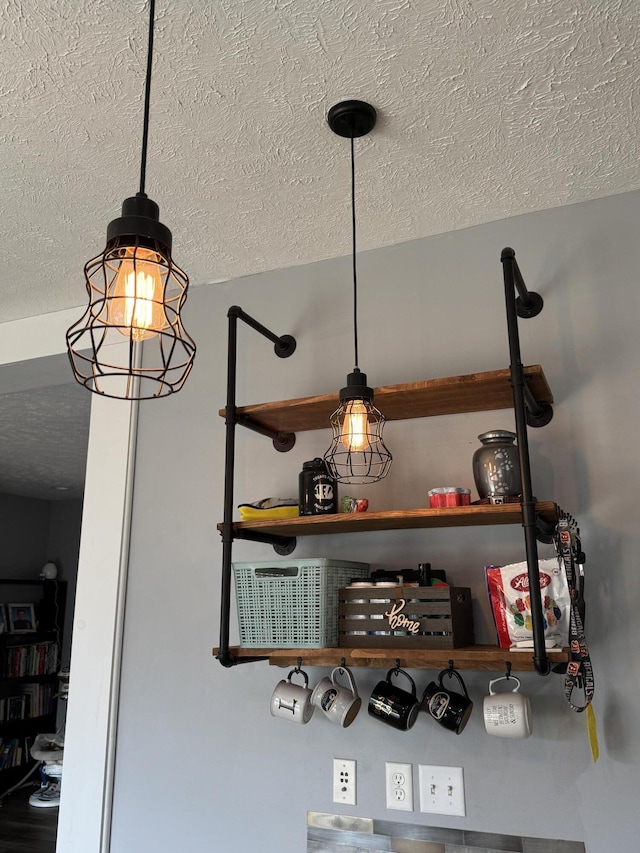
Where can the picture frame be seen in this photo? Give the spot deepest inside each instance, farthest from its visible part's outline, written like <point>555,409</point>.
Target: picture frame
<point>3,620</point>
<point>22,618</point>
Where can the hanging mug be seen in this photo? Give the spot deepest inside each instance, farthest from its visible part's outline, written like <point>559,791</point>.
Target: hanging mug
<point>507,714</point>
<point>293,701</point>
<point>447,707</point>
<point>339,704</point>
<point>393,705</point>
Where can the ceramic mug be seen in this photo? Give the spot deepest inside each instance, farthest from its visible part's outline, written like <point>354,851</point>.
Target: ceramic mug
<point>447,707</point>
<point>507,714</point>
<point>293,701</point>
<point>339,704</point>
<point>393,705</point>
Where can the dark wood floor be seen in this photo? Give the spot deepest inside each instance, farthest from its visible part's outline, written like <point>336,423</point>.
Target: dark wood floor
<point>25,829</point>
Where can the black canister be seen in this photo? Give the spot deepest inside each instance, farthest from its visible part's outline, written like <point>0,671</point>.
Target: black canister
<point>318,490</point>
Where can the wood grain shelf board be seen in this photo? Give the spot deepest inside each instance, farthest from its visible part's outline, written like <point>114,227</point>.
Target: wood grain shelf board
<point>473,392</point>
<point>481,657</point>
<point>408,519</point>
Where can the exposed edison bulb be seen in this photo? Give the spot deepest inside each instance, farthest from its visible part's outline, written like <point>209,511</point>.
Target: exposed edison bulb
<point>355,432</point>
<point>135,298</point>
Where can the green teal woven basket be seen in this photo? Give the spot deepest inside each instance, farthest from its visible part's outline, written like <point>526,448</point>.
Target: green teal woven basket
<point>292,603</point>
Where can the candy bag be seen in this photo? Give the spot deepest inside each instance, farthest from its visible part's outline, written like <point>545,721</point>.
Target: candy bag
<point>508,588</point>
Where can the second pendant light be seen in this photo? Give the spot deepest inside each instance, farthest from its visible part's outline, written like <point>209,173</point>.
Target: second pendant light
<point>357,453</point>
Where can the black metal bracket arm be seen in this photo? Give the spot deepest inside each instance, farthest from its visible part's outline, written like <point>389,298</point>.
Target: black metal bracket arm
<point>527,305</point>
<point>284,346</point>
<point>281,544</point>
<point>282,441</point>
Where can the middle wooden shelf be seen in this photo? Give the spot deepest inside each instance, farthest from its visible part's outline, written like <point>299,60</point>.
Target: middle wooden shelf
<point>403,519</point>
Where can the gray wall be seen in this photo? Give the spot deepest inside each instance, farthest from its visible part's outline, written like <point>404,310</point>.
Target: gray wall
<point>199,756</point>
<point>24,529</point>
<point>35,531</point>
<point>63,545</point>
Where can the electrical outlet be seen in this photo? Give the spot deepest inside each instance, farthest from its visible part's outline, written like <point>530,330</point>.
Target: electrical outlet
<point>441,790</point>
<point>344,781</point>
<point>399,784</point>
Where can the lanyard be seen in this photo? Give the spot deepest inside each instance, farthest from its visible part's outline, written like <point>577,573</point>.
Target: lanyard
<point>579,673</point>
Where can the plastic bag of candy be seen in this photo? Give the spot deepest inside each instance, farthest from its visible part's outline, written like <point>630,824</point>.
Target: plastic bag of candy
<point>510,600</point>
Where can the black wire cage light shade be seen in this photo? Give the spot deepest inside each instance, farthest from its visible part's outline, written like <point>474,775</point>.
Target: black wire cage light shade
<point>357,453</point>
<point>136,293</point>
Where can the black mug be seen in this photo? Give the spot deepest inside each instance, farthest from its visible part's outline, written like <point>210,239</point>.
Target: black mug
<point>452,710</point>
<point>392,705</point>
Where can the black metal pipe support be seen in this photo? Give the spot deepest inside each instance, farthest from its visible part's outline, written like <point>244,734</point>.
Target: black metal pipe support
<point>282,441</point>
<point>512,281</point>
<point>284,346</point>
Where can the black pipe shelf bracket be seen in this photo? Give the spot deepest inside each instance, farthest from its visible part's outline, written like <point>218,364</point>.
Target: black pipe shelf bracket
<point>527,412</point>
<point>284,346</point>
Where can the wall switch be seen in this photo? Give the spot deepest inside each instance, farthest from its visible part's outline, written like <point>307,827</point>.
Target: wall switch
<point>441,790</point>
<point>399,785</point>
<point>344,781</point>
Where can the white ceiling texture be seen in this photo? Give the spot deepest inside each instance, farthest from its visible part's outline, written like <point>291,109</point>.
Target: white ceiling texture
<point>487,109</point>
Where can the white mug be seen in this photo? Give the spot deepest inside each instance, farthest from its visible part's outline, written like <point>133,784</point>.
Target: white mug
<point>507,714</point>
<point>339,704</point>
<point>293,701</point>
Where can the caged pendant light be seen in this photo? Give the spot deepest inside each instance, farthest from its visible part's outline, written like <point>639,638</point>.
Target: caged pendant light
<point>357,453</point>
<point>136,293</point>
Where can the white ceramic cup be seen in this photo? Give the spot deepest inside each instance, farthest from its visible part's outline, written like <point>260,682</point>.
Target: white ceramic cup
<point>293,701</point>
<point>339,704</point>
<point>507,714</point>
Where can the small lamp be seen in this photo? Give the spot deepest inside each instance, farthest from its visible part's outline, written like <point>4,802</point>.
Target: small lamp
<point>357,453</point>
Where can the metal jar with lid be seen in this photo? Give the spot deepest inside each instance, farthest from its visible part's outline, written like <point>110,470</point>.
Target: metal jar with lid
<point>318,491</point>
<point>496,466</point>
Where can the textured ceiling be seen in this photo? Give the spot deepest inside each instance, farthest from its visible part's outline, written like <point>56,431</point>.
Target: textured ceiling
<point>487,109</point>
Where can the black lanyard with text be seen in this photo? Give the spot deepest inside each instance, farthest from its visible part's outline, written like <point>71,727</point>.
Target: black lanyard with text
<point>579,673</point>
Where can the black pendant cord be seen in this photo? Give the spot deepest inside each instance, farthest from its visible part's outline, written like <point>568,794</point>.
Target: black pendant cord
<point>147,97</point>
<point>355,274</point>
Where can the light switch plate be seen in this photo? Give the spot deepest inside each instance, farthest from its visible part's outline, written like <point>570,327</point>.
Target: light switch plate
<point>441,790</point>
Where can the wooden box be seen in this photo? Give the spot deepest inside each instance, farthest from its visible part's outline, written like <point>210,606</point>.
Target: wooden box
<point>425,617</point>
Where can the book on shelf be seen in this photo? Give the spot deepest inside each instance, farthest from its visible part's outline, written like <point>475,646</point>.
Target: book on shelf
<point>34,700</point>
<point>30,659</point>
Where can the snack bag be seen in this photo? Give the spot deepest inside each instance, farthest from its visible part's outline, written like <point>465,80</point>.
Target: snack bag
<point>508,588</point>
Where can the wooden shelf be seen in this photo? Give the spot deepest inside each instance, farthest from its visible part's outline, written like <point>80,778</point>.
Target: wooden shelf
<point>474,392</point>
<point>489,658</point>
<point>361,522</point>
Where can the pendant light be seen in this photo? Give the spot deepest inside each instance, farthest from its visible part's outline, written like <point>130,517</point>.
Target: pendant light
<point>136,293</point>
<point>357,453</point>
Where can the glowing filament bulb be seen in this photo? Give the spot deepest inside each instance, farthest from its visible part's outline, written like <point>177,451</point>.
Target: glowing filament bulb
<point>355,433</point>
<point>135,304</point>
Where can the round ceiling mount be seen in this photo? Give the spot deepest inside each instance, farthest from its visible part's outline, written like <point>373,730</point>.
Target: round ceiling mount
<point>352,118</point>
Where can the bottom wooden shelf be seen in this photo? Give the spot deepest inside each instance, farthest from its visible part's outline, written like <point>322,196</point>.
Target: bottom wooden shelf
<point>490,658</point>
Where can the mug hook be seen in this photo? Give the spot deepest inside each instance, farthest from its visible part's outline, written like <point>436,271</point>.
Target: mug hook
<point>508,674</point>
<point>298,665</point>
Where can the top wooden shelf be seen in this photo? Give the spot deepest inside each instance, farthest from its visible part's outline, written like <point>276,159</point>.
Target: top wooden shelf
<point>474,392</point>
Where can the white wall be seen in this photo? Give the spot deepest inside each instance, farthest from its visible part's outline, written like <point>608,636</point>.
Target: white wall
<point>199,756</point>
<point>31,350</point>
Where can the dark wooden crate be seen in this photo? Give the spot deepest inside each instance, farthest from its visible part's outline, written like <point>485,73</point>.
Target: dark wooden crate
<point>443,614</point>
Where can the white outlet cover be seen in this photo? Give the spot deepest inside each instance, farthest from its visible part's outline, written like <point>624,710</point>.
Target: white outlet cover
<point>399,786</point>
<point>344,781</point>
<point>441,790</point>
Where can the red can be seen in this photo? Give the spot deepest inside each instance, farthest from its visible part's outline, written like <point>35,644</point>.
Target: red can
<point>449,496</point>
